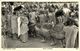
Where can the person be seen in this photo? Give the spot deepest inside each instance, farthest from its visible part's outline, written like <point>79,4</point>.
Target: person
<point>24,29</point>
<point>57,32</point>
<point>66,11</point>
<point>4,21</point>
<point>71,32</point>
<point>51,15</point>
<point>22,26</point>
<point>14,26</point>
<point>32,22</point>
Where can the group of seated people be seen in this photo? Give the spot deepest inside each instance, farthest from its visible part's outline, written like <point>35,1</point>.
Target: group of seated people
<point>45,20</point>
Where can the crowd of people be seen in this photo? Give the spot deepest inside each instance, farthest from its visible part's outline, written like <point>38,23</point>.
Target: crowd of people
<point>49,20</point>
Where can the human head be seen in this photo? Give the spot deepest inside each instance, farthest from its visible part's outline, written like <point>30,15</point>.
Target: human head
<point>59,14</point>
<point>65,5</point>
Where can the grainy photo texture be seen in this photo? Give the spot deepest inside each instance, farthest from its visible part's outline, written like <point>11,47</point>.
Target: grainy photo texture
<point>39,24</point>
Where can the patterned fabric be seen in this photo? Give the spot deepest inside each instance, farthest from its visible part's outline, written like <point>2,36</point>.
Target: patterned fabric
<point>58,27</point>
<point>14,24</point>
<point>24,27</point>
<point>57,31</point>
<point>4,24</point>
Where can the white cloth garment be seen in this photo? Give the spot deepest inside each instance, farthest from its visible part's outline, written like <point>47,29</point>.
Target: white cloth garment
<point>19,22</point>
<point>66,10</point>
<point>70,35</point>
<point>22,25</point>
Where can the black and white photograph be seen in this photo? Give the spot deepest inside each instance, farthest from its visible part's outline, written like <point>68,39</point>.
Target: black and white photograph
<point>39,24</point>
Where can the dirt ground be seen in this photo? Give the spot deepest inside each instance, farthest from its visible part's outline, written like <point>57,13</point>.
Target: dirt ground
<point>32,43</point>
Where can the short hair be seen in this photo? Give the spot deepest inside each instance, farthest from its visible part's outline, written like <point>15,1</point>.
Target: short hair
<point>65,5</point>
<point>18,8</point>
<point>11,3</point>
<point>59,13</point>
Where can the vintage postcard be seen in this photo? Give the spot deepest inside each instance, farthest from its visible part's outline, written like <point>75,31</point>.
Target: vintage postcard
<point>38,25</point>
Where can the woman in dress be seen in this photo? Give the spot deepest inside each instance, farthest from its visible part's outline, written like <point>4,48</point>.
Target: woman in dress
<point>24,29</point>
<point>22,26</point>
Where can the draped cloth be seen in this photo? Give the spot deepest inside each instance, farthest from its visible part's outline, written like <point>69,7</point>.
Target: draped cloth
<point>22,25</point>
<point>14,24</point>
<point>19,22</point>
<point>70,35</point>
<point>23,28</point>
<point>57,31</point>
